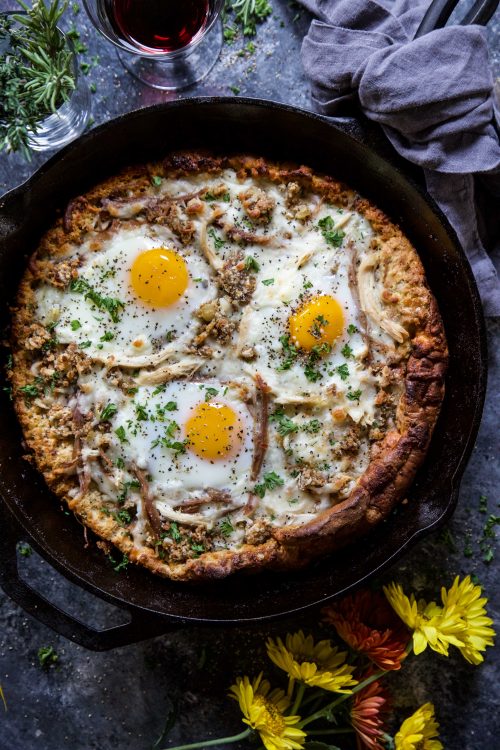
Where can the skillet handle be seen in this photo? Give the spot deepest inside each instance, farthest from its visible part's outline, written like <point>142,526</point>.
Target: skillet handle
<point>138,629</point>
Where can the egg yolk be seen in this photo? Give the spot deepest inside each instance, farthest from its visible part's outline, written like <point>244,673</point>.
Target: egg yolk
<point>318,321</point>
<point>159,277</point>
<point>213,430</point>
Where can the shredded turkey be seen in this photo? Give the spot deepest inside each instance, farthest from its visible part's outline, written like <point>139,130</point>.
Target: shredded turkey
<point>184,369</point>
<point>369,299</point>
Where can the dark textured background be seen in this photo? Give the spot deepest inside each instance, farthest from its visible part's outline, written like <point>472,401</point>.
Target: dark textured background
<point>120,699</point>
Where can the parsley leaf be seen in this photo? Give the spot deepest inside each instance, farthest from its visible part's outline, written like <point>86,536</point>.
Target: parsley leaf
<point>286,426</point>
<point>108,412</point>
<point>218,241</point>
<point>47,656</point>
<point>271,480</point>
<point>313,426</point>
<point>333,236</point>
<point>352,329</point>
<point>251,264</point>
<point>354,395</point>
<point>174,532</point>
<point>346,351</point>
<point>155,180</point>
<point>75,325</point>
<point>141,413</point>
<point>121,434</point>
<point>210,393</point>
<point>226,527</point>
<point>112,305</point>
<point>268,282</point>
<point>290,351</point>
<point>343,371</point>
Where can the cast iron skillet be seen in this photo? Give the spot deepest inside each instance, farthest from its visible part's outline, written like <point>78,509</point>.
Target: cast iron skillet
<point>280,132</point>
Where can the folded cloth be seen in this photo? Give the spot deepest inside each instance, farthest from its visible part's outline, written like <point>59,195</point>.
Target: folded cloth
<point>433,96</point>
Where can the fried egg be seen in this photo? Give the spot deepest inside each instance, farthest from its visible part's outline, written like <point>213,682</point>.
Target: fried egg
<point>132,298</point>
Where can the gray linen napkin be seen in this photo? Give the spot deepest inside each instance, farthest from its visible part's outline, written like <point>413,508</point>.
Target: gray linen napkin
<point>433,96</point>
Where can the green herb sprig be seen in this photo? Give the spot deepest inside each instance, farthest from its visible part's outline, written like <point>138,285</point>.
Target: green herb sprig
<point>36,71</point>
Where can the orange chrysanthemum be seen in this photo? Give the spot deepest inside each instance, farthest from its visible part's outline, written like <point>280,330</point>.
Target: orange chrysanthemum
<point>368,711</point>
<point>367,623</point>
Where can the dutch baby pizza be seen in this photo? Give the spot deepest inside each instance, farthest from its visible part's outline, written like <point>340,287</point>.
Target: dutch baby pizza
<point>224,363</point>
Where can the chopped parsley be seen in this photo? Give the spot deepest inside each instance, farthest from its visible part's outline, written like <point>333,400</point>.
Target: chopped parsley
<point>286,426</point>
<point>120,463</point>
<point>307,284</point>
<point>218,241</point>
<point>174,532</point>
<point>352,329</point>
<point>141,413</point>
<point>75,325</point>
<point>226,527</point>
<point>24,549</point>
<point>161,388</point>
<point>313,426</point>
<point>311,373</point>
<point>119,565</point>
<point>85,344</point>
<point>133,484</point>
<point>198,549</point>
<point>156,180</point>
<point>108,336</point>
<point>210,393</point>
<point>346,351</point>
<point>171,406</point>
<point>316,328</point>
<point>112,305</point>
<point>290,352</point>
<point>343,371</point>
<point>108,412</point>
<point>332,236</point>
<point>30,390</point>
<point>354,395</point>
<point>271,480</point>
<point>268,282</point>
<point>166,442</point>
<point>121,434</point>
<point>251,264</point>
<point>47,656</point>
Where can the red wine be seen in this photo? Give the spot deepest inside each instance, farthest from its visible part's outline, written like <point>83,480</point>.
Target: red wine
<point>158,25</point>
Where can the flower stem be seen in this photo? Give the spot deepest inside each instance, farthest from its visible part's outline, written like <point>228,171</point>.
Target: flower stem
<point>298,699</point>
<point>322,711</point>
<point>209,743</point>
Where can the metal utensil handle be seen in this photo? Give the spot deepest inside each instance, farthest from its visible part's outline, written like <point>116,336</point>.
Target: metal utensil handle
<point>439,11</point>
<point>138,629</point>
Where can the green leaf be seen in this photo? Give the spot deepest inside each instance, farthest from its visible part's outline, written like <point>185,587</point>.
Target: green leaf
<point>108,412</point>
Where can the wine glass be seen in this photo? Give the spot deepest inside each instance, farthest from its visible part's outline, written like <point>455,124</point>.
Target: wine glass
<point>166,44</point>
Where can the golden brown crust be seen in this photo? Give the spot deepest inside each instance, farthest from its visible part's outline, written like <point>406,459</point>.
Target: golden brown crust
<point>396,457</point>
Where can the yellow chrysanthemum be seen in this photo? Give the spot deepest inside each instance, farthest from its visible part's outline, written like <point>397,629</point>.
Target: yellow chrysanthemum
<point>432,625</point>
<point>419,731</point>
<point>318,665</point>
<point>464,599</point>
<point>263,710</point>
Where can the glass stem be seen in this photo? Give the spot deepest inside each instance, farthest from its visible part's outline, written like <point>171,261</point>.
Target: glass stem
<point>322,711</point>
<point>211,743</point>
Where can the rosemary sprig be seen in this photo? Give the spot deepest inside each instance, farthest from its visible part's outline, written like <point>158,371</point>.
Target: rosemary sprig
<point>249,13</point>
<point>36,73</point>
